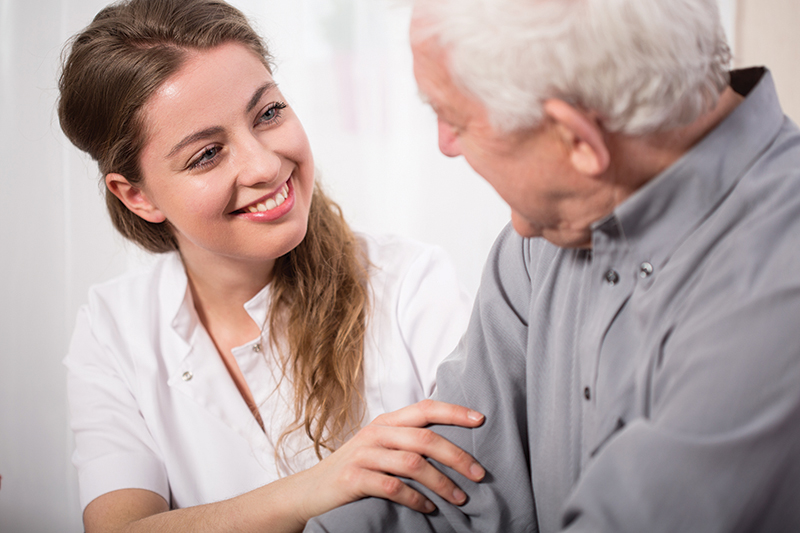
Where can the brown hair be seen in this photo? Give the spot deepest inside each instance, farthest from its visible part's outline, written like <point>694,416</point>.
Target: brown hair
<point>319,289</point>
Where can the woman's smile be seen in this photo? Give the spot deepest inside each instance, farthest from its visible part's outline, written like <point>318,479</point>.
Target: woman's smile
<point>270,207</point>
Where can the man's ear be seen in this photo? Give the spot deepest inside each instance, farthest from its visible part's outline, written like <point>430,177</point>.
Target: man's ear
<point>582,135</point>
<point>133,198</point>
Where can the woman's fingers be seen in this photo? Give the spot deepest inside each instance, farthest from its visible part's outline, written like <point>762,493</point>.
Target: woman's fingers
<point>391,488</point>
<point>412,466</point>
<point>428,412</point>
<point>425,443</point>
<point>395,444</point>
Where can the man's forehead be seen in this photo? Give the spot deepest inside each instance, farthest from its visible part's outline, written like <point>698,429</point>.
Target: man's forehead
<point>431,70</point>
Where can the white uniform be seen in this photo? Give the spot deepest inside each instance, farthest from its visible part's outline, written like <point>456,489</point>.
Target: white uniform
<point>153,406</point>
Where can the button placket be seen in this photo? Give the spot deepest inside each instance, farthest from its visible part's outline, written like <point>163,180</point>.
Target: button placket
<point>614,277</point>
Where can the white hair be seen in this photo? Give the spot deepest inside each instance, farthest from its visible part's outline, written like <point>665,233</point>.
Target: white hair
<point>642,65</point>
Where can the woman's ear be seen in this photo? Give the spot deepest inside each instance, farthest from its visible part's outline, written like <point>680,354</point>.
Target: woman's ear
<point>133,198</point>
<point>582,135</point>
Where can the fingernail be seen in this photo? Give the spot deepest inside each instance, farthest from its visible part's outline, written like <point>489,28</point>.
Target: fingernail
<point>458,495</point>
<point>474,415</point>
<point>477,471</point>
<point>429,507</point>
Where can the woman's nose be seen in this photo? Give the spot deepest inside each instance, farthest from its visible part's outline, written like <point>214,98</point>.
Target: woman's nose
<point>259,163</point>
<point>448,139</point>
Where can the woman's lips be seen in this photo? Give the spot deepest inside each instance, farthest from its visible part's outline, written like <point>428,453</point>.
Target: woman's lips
<point>271,208</point>
<point>270,203</point>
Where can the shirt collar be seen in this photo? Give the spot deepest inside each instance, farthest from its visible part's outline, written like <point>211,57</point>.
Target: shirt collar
<point>660,215</point>
<point>178,303</point>
<point>177,298</point>
<point>258,305</point>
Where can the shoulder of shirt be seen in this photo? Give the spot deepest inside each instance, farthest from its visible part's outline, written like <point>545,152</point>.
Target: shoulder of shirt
<point>395,253</point>
<point>510,248</point>
<point>139,290</point>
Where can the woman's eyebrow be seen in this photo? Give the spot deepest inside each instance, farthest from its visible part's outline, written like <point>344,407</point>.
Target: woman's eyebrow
<point>208,132</point>
<point>259,93</point>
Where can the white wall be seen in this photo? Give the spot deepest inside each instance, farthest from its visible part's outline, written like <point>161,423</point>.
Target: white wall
<point>766,32</point>
<point>346,68</point>
<point>42,278</point>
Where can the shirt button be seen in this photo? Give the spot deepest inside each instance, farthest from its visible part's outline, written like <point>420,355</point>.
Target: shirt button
<point>187,376</point>
<point>611,277</point>
<point>257,347</point>
<point>587,393</point>
<point>645,269</point>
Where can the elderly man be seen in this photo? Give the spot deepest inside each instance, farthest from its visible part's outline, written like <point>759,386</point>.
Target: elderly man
<point>635,344</point>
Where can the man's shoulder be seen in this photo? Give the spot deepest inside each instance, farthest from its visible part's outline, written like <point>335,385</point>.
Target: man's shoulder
<point>742,264</point>
<point>759,226</point>
<point>519,268</point>
<point>526,259</point>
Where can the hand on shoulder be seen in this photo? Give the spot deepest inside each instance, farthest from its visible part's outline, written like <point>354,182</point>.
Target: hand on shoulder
<point>394,444</point>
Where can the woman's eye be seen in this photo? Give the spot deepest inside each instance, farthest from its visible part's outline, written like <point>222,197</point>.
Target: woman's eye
<point>273,112</point>
<point>205,158</point>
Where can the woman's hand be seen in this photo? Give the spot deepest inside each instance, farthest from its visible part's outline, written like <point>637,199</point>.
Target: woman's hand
<point>394,444</point>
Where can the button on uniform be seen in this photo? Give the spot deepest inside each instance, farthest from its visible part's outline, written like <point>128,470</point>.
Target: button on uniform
<point>187,376</point>
<point>587,393</point>
<point>645,269</point>
<point>611,277</point>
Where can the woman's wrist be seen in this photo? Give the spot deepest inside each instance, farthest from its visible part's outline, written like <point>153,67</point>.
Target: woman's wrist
<point>291,501</point>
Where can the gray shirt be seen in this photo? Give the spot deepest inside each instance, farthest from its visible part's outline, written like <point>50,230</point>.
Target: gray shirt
<point>652,383</point>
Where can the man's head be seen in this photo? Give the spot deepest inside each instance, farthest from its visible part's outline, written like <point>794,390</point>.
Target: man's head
<point>530,90</point>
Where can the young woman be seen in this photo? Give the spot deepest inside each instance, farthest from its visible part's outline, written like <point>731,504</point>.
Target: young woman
<point>220,389</point>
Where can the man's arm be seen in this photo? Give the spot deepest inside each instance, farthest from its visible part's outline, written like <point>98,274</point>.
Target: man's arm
<point>486,373</point>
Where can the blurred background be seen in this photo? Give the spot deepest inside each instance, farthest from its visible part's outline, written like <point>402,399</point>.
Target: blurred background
<point>346,68</point>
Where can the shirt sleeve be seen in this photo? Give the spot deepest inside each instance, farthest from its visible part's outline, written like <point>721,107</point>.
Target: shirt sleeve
<point>113,447</point>
<point>486,373</point>
<point>433,312</point>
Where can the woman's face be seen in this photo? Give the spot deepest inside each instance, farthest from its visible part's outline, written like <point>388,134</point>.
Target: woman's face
<point>226,160</point>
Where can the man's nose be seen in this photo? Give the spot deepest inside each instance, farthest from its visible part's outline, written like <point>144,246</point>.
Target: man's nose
<point>448,139</point>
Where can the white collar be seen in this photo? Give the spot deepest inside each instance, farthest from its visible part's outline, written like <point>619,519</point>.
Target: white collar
<point>178,303</point>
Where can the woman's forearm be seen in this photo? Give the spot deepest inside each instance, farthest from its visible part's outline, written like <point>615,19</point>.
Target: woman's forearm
<point>274,507</point>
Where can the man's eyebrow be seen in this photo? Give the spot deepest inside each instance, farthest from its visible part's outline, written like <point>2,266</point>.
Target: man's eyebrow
<point>438,109</point>
<point>214,130</point>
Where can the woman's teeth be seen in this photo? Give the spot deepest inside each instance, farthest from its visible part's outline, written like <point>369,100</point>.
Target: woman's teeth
<point>271,203</point>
